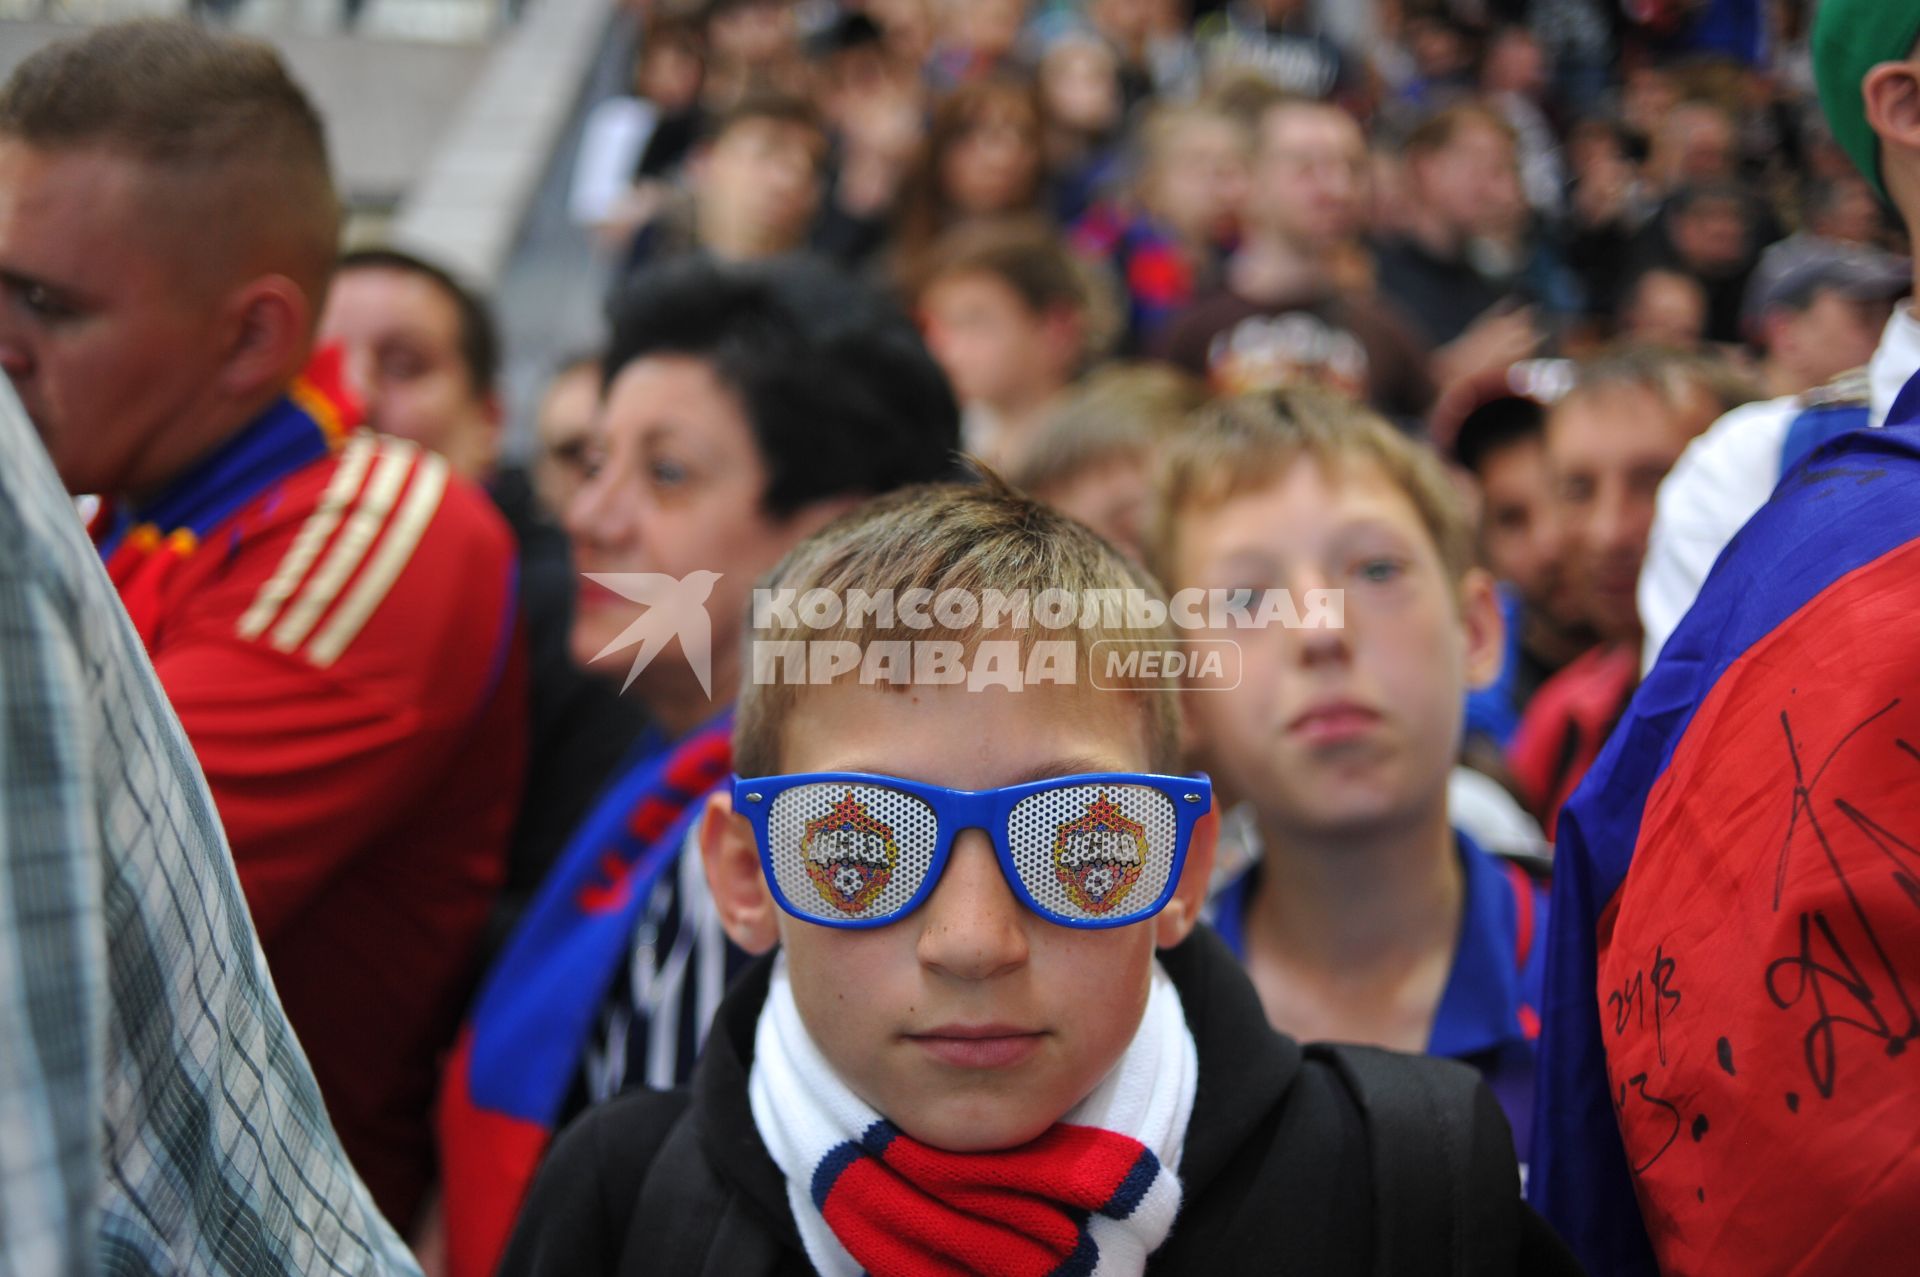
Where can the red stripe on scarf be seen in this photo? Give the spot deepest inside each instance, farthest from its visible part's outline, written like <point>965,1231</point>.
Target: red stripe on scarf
<point>699,766</point>
<point>917,1209</point>
<point>693,771</point>
<point>653,817</point>
<point>497,1156</point>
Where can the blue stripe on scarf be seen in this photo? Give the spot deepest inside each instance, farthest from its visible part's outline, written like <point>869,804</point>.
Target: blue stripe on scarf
<point>1086,1253</point>
<point>279,442</point>
<point>1127,1197</point>
<point>831,1167</point>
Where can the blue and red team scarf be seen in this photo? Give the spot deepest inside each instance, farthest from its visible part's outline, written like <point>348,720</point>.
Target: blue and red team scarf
<point>519,1054</point>
<point>1730,1068</point>
<point>143,548</point>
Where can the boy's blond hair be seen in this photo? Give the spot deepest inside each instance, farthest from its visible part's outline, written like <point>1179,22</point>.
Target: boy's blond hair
<point>968,537</point>
<point>1240,445</point>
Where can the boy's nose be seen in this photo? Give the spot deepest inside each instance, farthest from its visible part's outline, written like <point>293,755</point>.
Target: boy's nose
<point>1613,525</point>
<point>1312,645</point>
<point>972,927</point>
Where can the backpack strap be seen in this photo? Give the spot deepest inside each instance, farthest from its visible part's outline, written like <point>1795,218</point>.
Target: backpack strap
<point>1525,874</point>
<point>1442,1206</point>
<point>1522,884</point>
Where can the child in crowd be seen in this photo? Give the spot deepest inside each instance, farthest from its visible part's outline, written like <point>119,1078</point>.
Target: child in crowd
<point>990,1038</point>
<point>984,157</point>
<point>1078,78</point>
<point>1093,459</point>
<point>1368,917</point>
<point>1013,317</point>
<point>639,138</point>
<point>755,182</point>
<point>1167,239</point>
<point>1288,307</point>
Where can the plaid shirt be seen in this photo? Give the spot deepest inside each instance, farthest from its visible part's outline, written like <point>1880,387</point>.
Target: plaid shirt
<point>157,1115</point>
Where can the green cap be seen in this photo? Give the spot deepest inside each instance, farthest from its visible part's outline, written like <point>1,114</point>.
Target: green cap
<point>1850,38</point>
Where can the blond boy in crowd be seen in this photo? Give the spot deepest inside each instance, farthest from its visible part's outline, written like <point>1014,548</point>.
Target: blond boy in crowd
<point>1367,916</point>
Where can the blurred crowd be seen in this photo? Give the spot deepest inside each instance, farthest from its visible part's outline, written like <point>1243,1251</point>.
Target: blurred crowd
<point>1441,209</point>
<point>1557,246</point>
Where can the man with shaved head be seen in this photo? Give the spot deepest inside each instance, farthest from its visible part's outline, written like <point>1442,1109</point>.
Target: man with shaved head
<point>170,226</point>
<point>331,612</point>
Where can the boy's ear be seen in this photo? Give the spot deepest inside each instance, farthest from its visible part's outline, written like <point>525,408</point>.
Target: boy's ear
<point>1891,94</point>
<point>1175,922</point>
<point>732,862</point>
<point>1193,741</point>
<point>1486,628</point>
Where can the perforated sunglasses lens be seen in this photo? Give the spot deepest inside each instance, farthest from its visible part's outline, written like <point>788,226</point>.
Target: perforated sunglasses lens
<point>848,852</point>
<point>1094,853</point>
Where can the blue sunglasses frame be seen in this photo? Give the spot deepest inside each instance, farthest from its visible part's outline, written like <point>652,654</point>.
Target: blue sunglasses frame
<point>988,810</point>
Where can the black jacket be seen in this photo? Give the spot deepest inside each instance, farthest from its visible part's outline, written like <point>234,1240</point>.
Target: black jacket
<point>1276,1176</point>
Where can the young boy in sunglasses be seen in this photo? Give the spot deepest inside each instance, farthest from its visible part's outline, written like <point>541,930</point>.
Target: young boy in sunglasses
<point>986,1035</point>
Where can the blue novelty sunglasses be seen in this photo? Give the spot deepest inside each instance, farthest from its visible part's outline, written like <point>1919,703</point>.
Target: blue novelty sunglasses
<point>845,849</point>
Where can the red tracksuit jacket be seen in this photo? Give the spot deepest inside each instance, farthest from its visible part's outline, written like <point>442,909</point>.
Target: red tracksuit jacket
<point>333,616</point>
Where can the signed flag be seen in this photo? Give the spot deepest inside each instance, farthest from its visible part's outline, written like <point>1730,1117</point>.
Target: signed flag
<point>1730,1066</point>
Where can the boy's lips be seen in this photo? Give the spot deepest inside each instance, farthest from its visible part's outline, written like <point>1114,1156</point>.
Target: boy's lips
<point>1332,722</point>
<point>986,1046</point>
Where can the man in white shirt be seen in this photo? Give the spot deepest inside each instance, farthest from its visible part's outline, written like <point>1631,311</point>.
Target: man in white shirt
<point>1730,471</point>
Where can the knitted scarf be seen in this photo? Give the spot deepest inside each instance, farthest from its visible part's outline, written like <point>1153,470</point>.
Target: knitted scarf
<point>513,1062</point>
<point>143,549</point>
<point>1094,1194</point>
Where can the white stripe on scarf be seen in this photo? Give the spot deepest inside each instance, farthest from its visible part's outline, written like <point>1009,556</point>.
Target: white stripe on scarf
<point>803,1111</point>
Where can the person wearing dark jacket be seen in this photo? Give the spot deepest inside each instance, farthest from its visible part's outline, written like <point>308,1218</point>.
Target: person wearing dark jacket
<point>964,1055</point>
<point>1277,1171</point>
